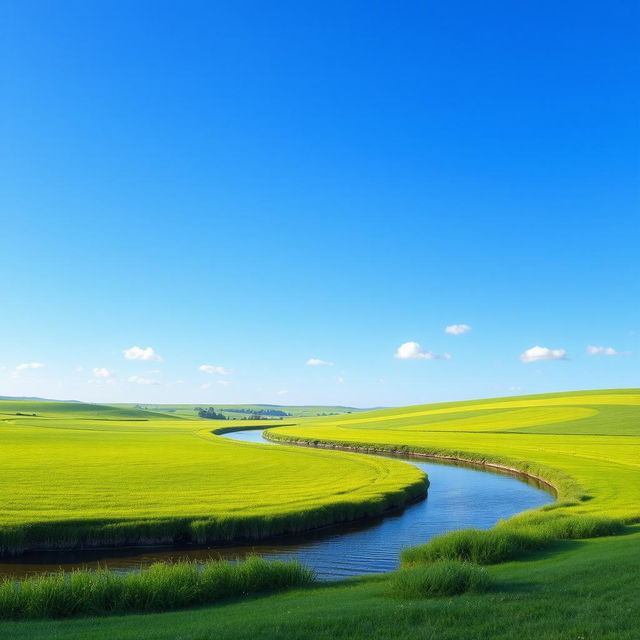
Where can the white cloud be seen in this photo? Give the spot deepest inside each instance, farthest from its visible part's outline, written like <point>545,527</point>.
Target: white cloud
<point>601,351</point>
<point>542,353</point>
<point>316,362</point>
<point>139,380</point>
<point>79,369</point>
<point>413,351</point>
<point>457,329</point>
<point>138,353</point>
<point>205,385</point>
<point>340,380</point>
<point>224,383</point>
<point>283,392</point>
<point>29,365</point>
<point>179,381</point>
<point>209,368</point>
<point>101,372</point>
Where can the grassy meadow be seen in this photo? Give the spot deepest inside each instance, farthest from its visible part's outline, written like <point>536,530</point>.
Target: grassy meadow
<point>566,571</point>
<point>586,444</point>
<point>76,474</point>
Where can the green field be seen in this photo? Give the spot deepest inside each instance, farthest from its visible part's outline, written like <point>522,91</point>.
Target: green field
<point>89,474</point>
<point>587,444</point>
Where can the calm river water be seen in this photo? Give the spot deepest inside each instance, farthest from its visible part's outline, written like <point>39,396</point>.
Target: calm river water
<point>459,497</point>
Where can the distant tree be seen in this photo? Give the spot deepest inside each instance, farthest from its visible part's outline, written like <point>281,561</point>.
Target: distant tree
<point>210,414</point>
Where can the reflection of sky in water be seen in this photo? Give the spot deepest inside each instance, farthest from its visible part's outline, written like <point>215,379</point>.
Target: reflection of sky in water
<point>459,497</point>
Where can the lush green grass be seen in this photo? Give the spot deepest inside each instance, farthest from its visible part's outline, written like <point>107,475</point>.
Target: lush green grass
<point>161,587</point>
<point>85,474</point>
<point>511,539</point>
<point>587,444</point>
<point>578,590</point>
<point>439,578</point>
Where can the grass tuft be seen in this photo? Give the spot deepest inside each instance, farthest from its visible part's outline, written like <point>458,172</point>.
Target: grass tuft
<point>161,587</point>
<point>475,545</point>
<point>442,578</point>
<point>562,526</point>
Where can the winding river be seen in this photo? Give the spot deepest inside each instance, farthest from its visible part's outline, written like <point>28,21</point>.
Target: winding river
<point>460,496</point>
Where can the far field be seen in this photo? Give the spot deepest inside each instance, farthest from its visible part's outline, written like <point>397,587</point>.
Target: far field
<point>245,411</point>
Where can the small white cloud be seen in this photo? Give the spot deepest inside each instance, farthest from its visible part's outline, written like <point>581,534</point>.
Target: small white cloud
<point>542,353</point>
<point>316,362</point>
<point>601,351</point>
<point>457,329</point>
<point>283,392</point>
<point>205,385</point>
<point>79,369</point>
<point>138,353</point>
<point>29,365</point>
<point>139,380</point>
<point>340,380</point>
<point>211,369</point>
<point>413,351</point>
<point>224,383</point>
<point>179,381</point>
<point>101,372</point>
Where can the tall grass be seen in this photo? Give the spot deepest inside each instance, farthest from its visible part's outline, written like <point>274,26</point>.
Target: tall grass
<point>561,526</point>
<point>474,545</point>
<point>510,539</point>
<point>442,578</point>
<point>161,587</point>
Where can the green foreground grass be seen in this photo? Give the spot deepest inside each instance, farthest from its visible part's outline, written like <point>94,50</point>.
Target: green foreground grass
<point>160,587</point>
<point>85,475</point>
<point>578,590</point>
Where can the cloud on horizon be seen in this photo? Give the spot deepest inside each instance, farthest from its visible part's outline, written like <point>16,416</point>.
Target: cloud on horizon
<point>29,365</point>
<point>536,354</point>
<point>602,351</point>
<point>138,353</point>
<point>457,329</point>
<point>413,351</point>
<point>211,369</point>
<point>316,362</point>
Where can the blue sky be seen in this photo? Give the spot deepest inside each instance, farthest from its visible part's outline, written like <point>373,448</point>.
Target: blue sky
<point>252,185</point>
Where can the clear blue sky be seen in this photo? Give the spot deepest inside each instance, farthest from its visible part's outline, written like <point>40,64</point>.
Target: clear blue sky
<point>250,185</point>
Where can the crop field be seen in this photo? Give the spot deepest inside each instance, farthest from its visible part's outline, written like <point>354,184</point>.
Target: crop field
<point>87,474</point>
<point>587,444</point>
